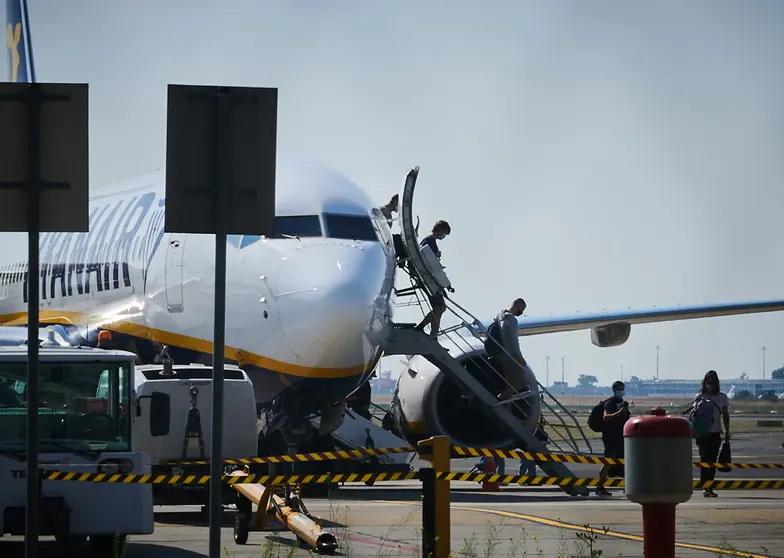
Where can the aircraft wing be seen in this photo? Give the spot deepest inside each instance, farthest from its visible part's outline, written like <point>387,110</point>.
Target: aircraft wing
<point>588,320</point>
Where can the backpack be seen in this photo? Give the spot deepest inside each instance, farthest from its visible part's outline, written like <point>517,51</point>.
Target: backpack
<point>596,418</point>
<point>493,342</point>
<point>701,416</point>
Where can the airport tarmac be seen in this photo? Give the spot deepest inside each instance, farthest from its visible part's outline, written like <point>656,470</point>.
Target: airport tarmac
<point>385,520</point>
<point>517,521</point>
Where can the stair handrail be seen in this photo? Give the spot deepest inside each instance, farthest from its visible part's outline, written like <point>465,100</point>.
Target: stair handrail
<point>477,329</point>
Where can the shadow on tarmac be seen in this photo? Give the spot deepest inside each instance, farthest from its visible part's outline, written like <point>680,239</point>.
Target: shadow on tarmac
<point>50,549</point>
<point>152,550</point>
<point>196,519</point>
<point>473,495</point>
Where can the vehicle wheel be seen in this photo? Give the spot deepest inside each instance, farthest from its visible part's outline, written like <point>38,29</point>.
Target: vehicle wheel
<point>245,507</point>
<point>240,528</point>
<point>71,540</point>
<point>108,546</point>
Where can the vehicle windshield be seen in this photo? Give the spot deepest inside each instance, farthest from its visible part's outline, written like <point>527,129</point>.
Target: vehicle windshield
<point>83,406</point>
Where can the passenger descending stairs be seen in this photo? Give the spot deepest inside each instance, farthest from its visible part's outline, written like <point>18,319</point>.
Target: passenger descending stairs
<point>405,340</point>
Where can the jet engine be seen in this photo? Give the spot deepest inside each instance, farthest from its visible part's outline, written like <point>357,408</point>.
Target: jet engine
<point>428,402</point>
<point>611,335</point>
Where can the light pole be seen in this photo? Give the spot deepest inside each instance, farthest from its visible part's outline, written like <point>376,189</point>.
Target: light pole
<point>547,370</point>
<point>764,350</point>
<point>563,375</point>
<point>621,372</point>
<point>657,362</point>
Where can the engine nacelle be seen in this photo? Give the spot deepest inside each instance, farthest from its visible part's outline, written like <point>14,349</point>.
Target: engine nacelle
<point>611,335</point>
<point>428,403</point>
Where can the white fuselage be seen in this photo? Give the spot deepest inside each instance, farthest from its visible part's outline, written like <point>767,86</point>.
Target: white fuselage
<point>314,308</point>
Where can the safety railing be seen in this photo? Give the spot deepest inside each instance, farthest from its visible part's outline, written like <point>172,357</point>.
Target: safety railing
<point>557,420</point>
<point>436,479</point>
<point>460,452</point>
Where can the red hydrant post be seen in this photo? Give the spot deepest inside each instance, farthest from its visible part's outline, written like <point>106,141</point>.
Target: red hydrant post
<point>658,475</point>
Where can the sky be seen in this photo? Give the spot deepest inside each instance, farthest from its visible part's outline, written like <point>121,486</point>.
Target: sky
<point>588,155</point>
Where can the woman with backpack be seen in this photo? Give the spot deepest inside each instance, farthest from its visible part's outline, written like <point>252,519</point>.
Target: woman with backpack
<point>707,413</point>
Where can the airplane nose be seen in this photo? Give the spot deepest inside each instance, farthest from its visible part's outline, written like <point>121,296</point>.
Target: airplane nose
<point>326,300</point>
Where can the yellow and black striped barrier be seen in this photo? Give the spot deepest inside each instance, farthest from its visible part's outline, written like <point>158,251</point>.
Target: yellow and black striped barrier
<point>307,457</point>
<point>461,452</point>
<point>532,481</point>
<point>129,478</point>
<point>739,465</point>
<point>593,482</point>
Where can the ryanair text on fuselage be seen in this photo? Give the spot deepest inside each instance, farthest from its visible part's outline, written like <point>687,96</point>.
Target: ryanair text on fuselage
<point>74,263</point>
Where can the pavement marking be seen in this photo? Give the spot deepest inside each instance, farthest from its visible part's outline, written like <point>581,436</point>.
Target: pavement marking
<point>584,529</point>
<point>609,533</point>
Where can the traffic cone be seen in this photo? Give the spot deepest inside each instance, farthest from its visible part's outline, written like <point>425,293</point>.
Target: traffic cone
<point>490,469</point>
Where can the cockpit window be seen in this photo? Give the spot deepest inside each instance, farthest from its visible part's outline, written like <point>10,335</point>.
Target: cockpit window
<point>285,226</point>
<point>350,227</point>
<point>298,225</point>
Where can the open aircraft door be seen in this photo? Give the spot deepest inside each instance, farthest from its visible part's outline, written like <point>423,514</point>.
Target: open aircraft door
<point>175,252</point>
<point>424,263</point>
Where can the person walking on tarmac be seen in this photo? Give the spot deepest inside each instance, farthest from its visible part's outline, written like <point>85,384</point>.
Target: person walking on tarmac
<point>616,413</point>
<point>710,409</point>
<point>440,231</point>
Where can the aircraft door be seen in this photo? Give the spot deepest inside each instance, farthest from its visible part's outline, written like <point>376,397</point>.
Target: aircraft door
<point>409,234</point>
<point>175,253</point>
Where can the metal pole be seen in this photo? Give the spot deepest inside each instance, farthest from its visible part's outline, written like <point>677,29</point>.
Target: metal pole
<point>657,362</point>
<point>621,372</point>
<point>563,375</point>
<point>216,457</point>
<point>764,350</point>
<point>33,287</point>
<point>547,371</point>
<point>429,510</point>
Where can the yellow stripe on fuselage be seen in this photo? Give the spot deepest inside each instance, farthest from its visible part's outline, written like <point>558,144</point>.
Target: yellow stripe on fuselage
<point>242,357</point>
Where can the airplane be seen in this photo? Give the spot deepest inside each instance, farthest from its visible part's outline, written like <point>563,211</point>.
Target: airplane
<point>308,311</point>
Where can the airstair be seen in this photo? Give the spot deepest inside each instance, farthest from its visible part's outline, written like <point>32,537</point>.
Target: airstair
<point>563,429</point>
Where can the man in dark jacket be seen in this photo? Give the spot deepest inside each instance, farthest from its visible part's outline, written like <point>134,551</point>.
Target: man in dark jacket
<point>616,413</point>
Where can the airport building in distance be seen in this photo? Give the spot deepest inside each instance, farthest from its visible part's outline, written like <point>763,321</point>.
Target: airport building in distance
<point>677,388</point>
